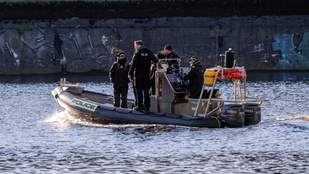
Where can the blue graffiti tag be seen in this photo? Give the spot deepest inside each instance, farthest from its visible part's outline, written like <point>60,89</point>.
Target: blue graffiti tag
<point>284,44</point>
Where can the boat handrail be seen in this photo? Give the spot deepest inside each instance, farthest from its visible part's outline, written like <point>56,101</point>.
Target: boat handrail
<point>214,110</point>
<point>224,68</point>
<point>175,58</point>
<point>64,83</point>
<point>240,101</point>
<point>167,59</point>
<point>224,73</point>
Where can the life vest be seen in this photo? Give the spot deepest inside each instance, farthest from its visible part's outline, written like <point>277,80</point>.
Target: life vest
<point>125,66</point>
<point>168,57</point>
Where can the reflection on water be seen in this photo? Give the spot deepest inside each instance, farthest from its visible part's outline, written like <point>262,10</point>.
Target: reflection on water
<point>278,76</point>
<point>53,78</point>
<point>38,136</point>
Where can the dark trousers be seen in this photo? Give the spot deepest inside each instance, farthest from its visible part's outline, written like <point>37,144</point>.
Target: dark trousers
<point>142,86</point>
<point>195,91</point>
<point>123,91</point>
<point>134,93</point>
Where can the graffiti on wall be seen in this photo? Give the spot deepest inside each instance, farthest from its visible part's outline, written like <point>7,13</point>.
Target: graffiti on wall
<point>303,47</point>
<point>292,56</point>
<point>47,48</point>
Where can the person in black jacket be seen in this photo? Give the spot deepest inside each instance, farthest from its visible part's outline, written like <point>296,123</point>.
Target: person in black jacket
<point>195,75</point>
<point>168,53</point>
<point>119,77</point>
<point>140,70</point>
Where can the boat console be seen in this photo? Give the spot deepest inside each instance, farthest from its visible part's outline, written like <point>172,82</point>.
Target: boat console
<point>171,95</point>
<point>176,83</point>
<point>170,92</point>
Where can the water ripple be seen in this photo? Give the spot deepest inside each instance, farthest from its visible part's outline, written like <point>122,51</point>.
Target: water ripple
<point>40,137</point>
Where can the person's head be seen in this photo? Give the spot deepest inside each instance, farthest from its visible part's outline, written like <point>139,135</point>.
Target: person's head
<point>121,56</point>
<point>192,60</point>
<point>138,44</point>
<point>168,49</point>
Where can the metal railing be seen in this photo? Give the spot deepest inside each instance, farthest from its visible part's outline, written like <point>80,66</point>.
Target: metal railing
<point>166,59</point>
<point>240,92</point>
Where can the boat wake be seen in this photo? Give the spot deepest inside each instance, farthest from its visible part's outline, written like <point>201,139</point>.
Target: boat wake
<point>64,120</point>
<point>298,122</point>
<point>305,118</point>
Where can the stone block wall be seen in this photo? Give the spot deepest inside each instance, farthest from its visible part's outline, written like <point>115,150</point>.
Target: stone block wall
<point>260,42</point>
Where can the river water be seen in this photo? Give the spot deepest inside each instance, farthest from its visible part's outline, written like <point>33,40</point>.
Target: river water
<point>37,136</point>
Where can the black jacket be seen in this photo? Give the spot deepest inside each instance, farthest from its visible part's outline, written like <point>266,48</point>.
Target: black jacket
<point>141,62</point>
<point>119,73</point>
<point>171,55</point>
<point>196,76</point>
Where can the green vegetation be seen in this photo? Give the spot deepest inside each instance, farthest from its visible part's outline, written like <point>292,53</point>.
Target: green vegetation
<point>75,19</point>
<point>301,25</point>
<point>22,28</point>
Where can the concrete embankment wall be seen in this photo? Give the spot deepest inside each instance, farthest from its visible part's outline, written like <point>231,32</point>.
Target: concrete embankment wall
<point>266,42</point>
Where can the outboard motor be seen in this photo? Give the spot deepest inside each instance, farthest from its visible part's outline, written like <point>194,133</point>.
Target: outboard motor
<point>252,113</point>
<point>233,115</point>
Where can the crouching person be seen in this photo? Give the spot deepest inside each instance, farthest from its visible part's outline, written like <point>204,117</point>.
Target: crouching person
<point>119,77</point>
<point>196,77</point>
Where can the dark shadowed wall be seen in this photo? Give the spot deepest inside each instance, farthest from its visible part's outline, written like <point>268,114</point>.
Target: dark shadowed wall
<point>36,42</point>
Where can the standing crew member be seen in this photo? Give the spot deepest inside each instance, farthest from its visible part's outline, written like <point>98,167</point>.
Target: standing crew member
<point>119,77</point>
<point>195,75</point>
<point>140,70</point>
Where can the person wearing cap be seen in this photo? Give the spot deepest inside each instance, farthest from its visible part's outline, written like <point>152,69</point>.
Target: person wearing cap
<point>168,53</point>
<point>119,77</point>
<point>195,75</point>
<point>140,71</point>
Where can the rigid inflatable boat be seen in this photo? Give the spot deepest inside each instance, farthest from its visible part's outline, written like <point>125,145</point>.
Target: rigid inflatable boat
<point>170,104</point>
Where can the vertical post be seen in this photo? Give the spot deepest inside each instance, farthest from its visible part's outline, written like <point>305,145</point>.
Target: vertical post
<point>245,91</point>
<point>239,87</point>
<point>199,100</point>
<point>210,95</point>
<point>157,87</point>
<point>217,45</point>
<point>235,90</point>
<point>245,83</point>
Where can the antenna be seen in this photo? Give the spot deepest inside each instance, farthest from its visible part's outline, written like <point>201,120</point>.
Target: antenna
<point>217,50</point>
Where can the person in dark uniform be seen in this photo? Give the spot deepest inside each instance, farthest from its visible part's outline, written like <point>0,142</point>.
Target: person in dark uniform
<point>134,93</point>
<point>168,53</point>
<point>140,70</point>
<point>119,77</point>
<point>195,75</point>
